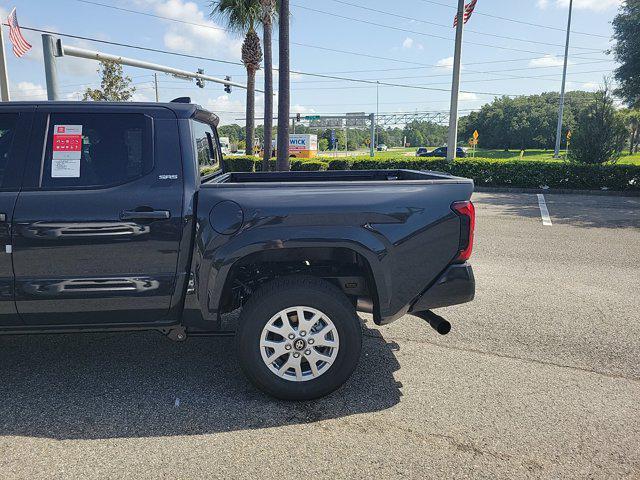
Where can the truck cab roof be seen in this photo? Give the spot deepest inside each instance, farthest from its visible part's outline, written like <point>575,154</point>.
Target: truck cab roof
<point>181,110</point>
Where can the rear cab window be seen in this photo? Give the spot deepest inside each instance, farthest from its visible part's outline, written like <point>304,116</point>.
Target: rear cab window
<point>205,144</point>
<point>88,150</point>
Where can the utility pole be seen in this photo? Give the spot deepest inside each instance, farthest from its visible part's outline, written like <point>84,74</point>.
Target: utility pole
<point>49,51</point>
<point>372,120</point>
<point>346,140</point>
<point>556,152</point>
<point>4,75</point>
<point>155,81</point>
<point>377,110</point>
<point>452,142</point>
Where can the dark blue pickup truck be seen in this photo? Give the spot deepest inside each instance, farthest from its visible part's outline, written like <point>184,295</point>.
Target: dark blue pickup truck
<point>106,224</point>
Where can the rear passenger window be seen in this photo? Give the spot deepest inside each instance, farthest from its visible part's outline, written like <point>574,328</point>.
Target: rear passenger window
<point>8,123</point>
<point>96,150</point>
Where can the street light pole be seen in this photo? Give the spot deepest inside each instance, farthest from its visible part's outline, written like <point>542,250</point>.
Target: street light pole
<point>452,142</point>
<point>556,152</point>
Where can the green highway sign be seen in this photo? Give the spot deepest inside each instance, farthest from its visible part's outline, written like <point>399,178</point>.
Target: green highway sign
<point>312,117</point>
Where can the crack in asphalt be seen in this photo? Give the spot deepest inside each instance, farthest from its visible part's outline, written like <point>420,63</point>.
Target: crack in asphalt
<point>511,357</point>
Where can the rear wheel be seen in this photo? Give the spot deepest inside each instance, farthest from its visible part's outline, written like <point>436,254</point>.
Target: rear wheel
<point>299,338</point>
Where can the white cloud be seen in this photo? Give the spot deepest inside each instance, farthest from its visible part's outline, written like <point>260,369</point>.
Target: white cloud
<point>28,91</point>
<point>590,86</point>
<point>410,43</point>
<point>467,97</point>
<point>445,63</point>
<point>595,5</point>
<point>228,109</point>
<point>301,109</point>
<point>205,37</point>
<point>547,61</point>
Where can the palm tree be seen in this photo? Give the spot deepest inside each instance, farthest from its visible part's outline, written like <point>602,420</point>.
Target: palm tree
<point>268,14</point>
<point>284,90</point>
<point>242,16</point>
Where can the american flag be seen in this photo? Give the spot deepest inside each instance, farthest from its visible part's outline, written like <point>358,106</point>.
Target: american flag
<point>20,44</point>
<point>468,10</point>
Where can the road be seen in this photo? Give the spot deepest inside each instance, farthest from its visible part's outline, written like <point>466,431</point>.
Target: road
<point>539,378</point>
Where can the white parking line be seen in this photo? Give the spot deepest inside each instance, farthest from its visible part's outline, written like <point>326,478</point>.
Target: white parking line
<point>544,211</point>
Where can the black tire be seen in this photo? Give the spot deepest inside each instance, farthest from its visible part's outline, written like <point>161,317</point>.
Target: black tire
<point>293,291</point>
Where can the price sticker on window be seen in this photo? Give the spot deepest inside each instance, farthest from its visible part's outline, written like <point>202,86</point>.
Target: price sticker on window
<point>67,150</point>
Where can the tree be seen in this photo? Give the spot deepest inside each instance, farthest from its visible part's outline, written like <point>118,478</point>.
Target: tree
<point>626,33</point>
<point>523,122</point>
<point>242,16</point>
<point>268,14</point>
<point>284,88</point>
<point>114,87</point>
<point>600,134</point>
<point>425,134</point>
<point>234,132</point>
<point>632,122</point>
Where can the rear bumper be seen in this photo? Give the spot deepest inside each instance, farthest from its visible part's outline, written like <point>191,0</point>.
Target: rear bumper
<point>456,285</point>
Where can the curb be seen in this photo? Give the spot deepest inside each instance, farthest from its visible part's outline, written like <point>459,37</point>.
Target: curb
<point>603,193</point>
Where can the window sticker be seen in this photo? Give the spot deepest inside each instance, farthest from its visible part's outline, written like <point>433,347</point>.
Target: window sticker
<point>67,150</point>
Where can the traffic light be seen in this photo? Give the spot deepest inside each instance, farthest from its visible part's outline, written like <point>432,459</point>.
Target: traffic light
<point>199,81</point>
<point>227,87</point>
<point>298,117</point>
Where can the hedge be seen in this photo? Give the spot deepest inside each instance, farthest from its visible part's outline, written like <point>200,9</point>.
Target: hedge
<point>484,172</point>
<point>252,164</point>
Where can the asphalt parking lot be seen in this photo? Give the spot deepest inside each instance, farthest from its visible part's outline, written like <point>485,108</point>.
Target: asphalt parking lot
<point>539,378</point>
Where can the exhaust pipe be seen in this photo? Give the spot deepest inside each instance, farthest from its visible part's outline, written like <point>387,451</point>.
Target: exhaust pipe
<point>364,304</point>
<point>438,323</point>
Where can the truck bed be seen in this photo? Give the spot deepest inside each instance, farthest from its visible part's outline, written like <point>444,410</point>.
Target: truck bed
<point>400,221</point>
<point>336,176</point>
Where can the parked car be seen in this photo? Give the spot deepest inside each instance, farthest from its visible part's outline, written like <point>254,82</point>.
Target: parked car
<point>382,148</point>
<point>440,152</point>
<point>108,225</point>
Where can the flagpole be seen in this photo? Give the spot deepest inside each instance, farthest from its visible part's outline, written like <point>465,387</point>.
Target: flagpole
<point>452,142</point>
<point>4,75</point>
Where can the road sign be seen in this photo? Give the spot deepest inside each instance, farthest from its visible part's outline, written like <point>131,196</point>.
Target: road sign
<point>476,135</point>
<point>357,119</point>
<point>569,135</point>
<point>312,117</point>
<point>333,138</point>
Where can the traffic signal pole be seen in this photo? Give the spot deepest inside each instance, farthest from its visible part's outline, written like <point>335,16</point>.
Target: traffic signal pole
<point>452,142</point>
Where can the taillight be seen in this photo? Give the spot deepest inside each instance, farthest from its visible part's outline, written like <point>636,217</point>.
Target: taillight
<point>467,213</point>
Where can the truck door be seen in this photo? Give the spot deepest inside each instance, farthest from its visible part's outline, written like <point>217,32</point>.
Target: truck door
<point>98,225</point>
<point>14,134</point>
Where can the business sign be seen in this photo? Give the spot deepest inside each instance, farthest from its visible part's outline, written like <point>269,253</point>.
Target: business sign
<point>67,150</point>
<point>300,143</point>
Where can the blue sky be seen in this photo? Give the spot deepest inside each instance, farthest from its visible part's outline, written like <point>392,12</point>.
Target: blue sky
<point>412,40</point>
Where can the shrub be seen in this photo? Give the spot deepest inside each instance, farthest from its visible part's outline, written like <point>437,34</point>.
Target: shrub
<point>484,171</point>
<point>239,164</point>
<point>308,165</point>
<point>258,165</point>
<point>600,133</point>
<point>207,170</point>
<point>522,174</point>
<point>341,164</point>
